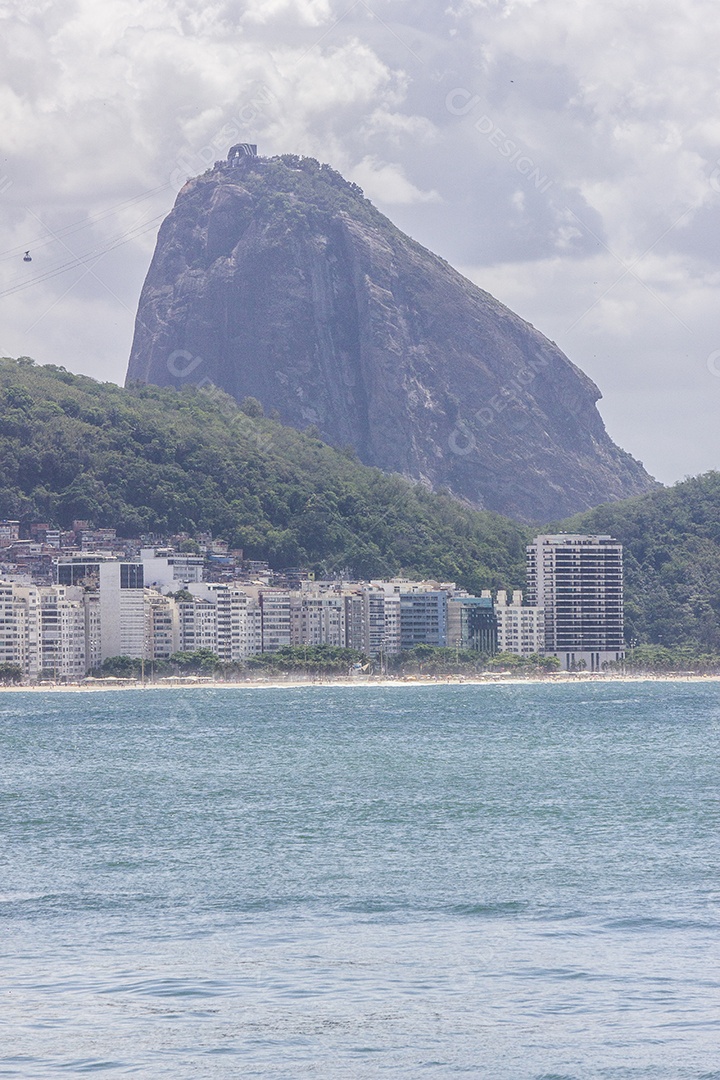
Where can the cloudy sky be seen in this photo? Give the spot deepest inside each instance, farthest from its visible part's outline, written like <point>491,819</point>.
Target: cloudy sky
<point>564,154</point>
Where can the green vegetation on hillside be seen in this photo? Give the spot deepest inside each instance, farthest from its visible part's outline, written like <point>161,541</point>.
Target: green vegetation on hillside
<point>671,541</point>
<point>150,460</point>
<point>297,192</point>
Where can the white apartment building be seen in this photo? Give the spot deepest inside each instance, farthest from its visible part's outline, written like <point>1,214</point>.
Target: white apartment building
<point>317,619</point>
<point>364,611</point>
<point>197,625</point>
<point>162,626</point>
<point>246,637</point>
<point>171,568</point>
<point>15,635</point>
<point>42,629</point>
<point>392,623</point>
<point>520,630</point>
<point>93,640</point>
<point>62,633</point>
<point>238,619</point>
<point>8,629</point>
<point>122,609</point>
<point>276,620</point>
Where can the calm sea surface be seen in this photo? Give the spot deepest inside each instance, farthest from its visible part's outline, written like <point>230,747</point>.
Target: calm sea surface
<point>506,882</point>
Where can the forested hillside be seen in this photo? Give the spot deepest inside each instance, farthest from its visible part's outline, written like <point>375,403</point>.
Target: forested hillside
<point>146,459</point>
<point>672,560</point>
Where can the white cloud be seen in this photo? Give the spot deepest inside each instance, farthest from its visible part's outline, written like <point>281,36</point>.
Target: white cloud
<point>614,106</point>
<point>388,183</point>
<point>398,128</point>
<point>310,12</point>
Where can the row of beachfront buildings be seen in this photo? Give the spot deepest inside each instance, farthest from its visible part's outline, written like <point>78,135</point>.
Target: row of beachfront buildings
<point>159,604</point>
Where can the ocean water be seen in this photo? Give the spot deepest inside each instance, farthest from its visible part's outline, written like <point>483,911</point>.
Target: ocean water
<point>511,882</point>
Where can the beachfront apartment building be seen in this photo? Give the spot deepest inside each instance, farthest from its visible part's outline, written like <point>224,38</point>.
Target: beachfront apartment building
<point>42,630</point>
<point>366,611</point>
<point>238,619</point>
<point>520,627</point>
<point>62,633</point>
<point>577,580</point>
<point>197,625</point>
<point>119,623</point>
<point>93,641</point>
<point>317,619</point>
<point>122,609</point>
<point>471,624</point>
<point>246,632</point>
<point>423,618</point>
<point>162,626</point>
<point>275,606</point>
<point>16,638</point>
<point>393,637</point>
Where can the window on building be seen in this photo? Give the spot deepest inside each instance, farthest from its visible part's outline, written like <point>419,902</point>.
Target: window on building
<point>131,576</point>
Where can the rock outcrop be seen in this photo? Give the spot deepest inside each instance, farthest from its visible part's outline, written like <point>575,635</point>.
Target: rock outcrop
<point>276,279</point>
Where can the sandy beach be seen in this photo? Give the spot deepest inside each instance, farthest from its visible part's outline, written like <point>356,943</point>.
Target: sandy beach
<point>582,678</point>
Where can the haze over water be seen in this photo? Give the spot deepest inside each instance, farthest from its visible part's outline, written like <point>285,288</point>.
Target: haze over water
<point>511,882</point>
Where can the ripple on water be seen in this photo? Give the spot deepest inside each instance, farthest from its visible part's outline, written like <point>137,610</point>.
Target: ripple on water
<point>510,885</point>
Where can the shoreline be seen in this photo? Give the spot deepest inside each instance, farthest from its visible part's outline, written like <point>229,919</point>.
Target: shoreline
<point>347,682</point>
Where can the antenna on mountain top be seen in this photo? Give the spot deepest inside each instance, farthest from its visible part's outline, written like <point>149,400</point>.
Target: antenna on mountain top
<point>240,151</point>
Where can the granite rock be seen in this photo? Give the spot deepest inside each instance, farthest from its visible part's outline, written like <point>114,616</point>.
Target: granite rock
<point>276,279</point>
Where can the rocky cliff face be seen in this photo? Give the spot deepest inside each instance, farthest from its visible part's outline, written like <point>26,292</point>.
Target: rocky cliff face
<point>276,279</point>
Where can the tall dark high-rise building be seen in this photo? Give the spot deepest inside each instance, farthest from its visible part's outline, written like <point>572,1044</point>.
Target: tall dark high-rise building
<point>578,580</point>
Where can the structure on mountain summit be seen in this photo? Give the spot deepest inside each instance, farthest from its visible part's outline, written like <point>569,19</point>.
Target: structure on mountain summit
<point>241,150</point>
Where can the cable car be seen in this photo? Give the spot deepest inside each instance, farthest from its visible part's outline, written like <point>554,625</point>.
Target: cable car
<point>27,257</point>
